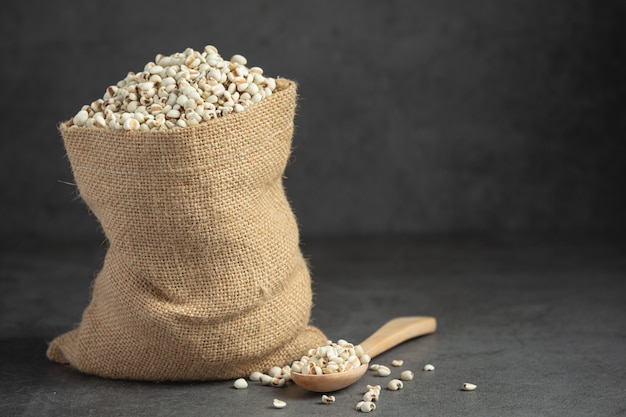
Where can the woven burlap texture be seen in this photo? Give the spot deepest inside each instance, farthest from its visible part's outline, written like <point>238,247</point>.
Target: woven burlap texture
<point>203,277</point>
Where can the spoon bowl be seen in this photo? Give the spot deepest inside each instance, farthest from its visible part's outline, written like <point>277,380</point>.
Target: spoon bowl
<point>386,337</point>
<point>328,382</point>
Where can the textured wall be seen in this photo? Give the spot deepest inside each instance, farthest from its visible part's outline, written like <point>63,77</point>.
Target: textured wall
<point>415,116</point>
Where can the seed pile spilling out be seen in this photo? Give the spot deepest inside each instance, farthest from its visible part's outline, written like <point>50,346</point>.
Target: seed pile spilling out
<point>176,91</point>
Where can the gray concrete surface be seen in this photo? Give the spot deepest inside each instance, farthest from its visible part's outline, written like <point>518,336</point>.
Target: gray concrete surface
<point>536,322</point>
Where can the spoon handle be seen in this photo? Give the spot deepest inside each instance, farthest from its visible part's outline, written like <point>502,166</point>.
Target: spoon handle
<point>397,331</point>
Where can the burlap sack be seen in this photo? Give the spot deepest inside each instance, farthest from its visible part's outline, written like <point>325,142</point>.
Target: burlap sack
<point>203,277</point>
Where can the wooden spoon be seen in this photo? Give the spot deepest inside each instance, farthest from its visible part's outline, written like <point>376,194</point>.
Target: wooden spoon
<point>386,337</point>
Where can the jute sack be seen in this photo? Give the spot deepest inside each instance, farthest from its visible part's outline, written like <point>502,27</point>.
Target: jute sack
<point>203,277</point>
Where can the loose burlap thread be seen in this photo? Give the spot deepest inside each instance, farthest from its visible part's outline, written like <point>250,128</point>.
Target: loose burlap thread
<point>203,278</point>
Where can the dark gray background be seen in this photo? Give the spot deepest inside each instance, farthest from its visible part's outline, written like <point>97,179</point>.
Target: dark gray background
<point>488,133</point>
<point>415,116</point>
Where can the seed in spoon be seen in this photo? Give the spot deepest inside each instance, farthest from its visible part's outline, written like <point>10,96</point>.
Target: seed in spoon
<point>389,335</point>
<point>331,358</point>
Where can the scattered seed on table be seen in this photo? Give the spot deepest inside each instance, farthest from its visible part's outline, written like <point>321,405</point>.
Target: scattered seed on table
<point>429,367</point>
<point>395,385</point>
<point>328,399</point>
<point>240,383</point>
<point>371,396</point>
<point>366,406</point>
<point>406,375</point>
<point>468,387</point>
<point>279,403</point>
<point>383,371</point>
<point>278,382</point>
